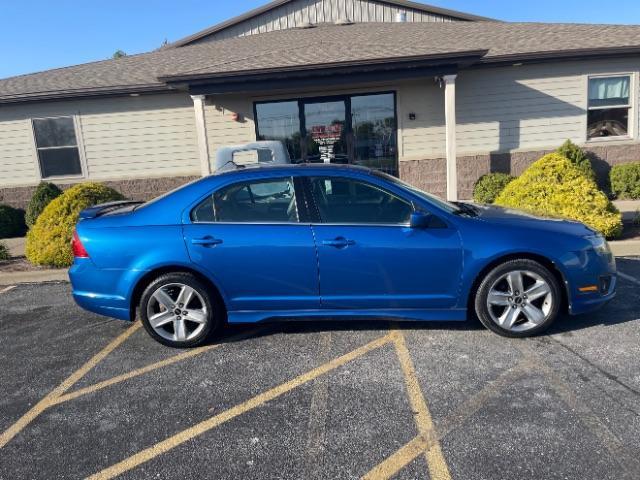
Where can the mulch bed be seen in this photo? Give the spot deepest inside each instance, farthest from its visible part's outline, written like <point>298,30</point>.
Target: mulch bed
<point>19,264</point>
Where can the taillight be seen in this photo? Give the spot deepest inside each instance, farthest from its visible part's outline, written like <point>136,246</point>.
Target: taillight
<point>77,247</point>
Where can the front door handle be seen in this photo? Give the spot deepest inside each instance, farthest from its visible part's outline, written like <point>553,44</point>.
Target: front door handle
<point>339,242</point>
<point>207,241</point>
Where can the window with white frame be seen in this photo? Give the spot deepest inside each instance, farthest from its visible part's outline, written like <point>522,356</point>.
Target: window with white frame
<point>609,106</point>
<point>57,147</point>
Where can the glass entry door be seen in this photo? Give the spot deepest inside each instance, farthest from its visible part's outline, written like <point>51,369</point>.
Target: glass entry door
<point>359,129</point>
<point>326,131</point>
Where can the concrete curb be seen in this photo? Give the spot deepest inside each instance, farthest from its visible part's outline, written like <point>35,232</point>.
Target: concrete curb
<point>14,278</point>
<point>625,248</point>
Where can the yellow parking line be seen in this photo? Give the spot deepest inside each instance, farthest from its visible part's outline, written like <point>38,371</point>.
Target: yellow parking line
<point>134,373</point>
<point>51,397</point>
<point>147,368</point>
<point>416,447</point>
<point>400,459</point>
<point>438,469</point>
<point>206,425</point>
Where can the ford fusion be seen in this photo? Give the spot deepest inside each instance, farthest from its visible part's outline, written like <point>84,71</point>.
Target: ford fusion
<point>329,241</point>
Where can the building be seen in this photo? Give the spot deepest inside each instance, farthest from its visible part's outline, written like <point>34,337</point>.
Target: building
<point>435,96</point>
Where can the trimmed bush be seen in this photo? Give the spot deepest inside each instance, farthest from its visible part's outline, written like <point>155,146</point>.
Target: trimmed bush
<point>489,186</point>
<point>40,199</point>
<point>4,252</point>
<point>553,186</point>
<point>49,240</point>
<point>11,222</point>
<point>577,156</point>
<point>625,180</point>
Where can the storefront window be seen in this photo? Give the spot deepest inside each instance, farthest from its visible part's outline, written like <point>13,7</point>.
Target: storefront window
<point>374,127</point>
<point>280,121</point>
<point>357,129</point>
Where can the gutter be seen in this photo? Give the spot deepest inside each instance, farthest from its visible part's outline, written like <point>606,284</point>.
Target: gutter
<point>87,93</point>
<point>557,55</point>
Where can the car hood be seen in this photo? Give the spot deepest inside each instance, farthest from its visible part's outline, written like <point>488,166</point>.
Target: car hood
<point>499,215</point>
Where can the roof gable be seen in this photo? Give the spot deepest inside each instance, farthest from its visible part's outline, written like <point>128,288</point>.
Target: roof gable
<point>285,14</point>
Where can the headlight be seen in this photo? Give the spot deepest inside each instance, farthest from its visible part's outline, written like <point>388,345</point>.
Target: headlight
<point>599,244</point>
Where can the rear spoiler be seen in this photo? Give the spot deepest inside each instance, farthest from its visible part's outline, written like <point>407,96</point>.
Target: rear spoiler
<point>104,208</point>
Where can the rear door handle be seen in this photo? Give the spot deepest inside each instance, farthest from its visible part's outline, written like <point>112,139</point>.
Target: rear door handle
<point>339,242</point>
<point>207,241</point>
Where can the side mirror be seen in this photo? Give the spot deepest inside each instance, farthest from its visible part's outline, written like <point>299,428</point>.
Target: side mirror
<point>420,220</point>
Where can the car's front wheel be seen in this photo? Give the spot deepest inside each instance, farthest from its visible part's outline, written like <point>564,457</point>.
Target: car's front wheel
<point>177,310</point>
<point>518,298</point>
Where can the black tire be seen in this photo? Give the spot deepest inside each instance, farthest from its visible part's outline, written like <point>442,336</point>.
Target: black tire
<point>212,313</point>
<point>551,301</point>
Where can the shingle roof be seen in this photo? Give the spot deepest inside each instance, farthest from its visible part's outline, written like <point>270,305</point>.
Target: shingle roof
<point>322,45</point>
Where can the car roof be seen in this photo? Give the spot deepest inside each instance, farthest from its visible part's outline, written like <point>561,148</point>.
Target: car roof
<point>292,167</point>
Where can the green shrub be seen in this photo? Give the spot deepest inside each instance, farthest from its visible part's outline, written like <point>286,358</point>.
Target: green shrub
<point>11,222</point>
<point>40,199</point>
<point>489,186</point>
<point>4,252</point>
<point>49,240</point>
<point>625,180</point>
<point>553,186</point>
<point>577,156</point>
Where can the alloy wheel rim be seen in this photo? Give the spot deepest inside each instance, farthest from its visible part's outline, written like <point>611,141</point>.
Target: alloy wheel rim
<point>177,312</point>
<point>520,300</point>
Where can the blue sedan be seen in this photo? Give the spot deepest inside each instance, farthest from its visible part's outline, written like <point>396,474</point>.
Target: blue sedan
<point>318,241</point>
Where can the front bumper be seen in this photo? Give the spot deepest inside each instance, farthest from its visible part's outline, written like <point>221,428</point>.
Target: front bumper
<point>591,270</point>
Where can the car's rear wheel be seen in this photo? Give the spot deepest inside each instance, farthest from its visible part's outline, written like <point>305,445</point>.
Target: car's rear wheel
<point>518,298</point>
<point>178,310</point>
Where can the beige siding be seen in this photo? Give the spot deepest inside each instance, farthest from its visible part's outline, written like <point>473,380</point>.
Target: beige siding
<point>498,110</point>
<point>297,13</point>
<point>505,109</point>
<point>17,162</point>
<point>221,129</point>
<point>127,137</point>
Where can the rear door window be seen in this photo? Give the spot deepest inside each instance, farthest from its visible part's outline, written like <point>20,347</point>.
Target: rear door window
<point>257,201</point>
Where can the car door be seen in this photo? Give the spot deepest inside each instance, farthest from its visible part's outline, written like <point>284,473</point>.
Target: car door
<point>249,237</point>
<point>369,257</point>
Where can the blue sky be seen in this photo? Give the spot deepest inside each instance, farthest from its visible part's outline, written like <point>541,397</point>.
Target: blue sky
<point>41,34</point>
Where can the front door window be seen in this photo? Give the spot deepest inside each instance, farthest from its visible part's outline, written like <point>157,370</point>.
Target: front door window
<point>344,200</point>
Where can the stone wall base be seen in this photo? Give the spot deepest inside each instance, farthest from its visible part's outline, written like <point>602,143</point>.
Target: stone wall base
<point>134,189</point>
<point>430,175</point>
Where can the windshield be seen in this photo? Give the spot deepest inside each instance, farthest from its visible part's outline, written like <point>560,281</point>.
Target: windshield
<point>444,205</point>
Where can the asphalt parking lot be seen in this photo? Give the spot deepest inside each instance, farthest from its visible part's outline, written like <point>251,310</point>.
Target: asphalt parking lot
<point>85,396</point>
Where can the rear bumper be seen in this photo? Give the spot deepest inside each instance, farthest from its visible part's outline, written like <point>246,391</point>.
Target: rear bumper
<point>102,305</point>
<point>93,289</point>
